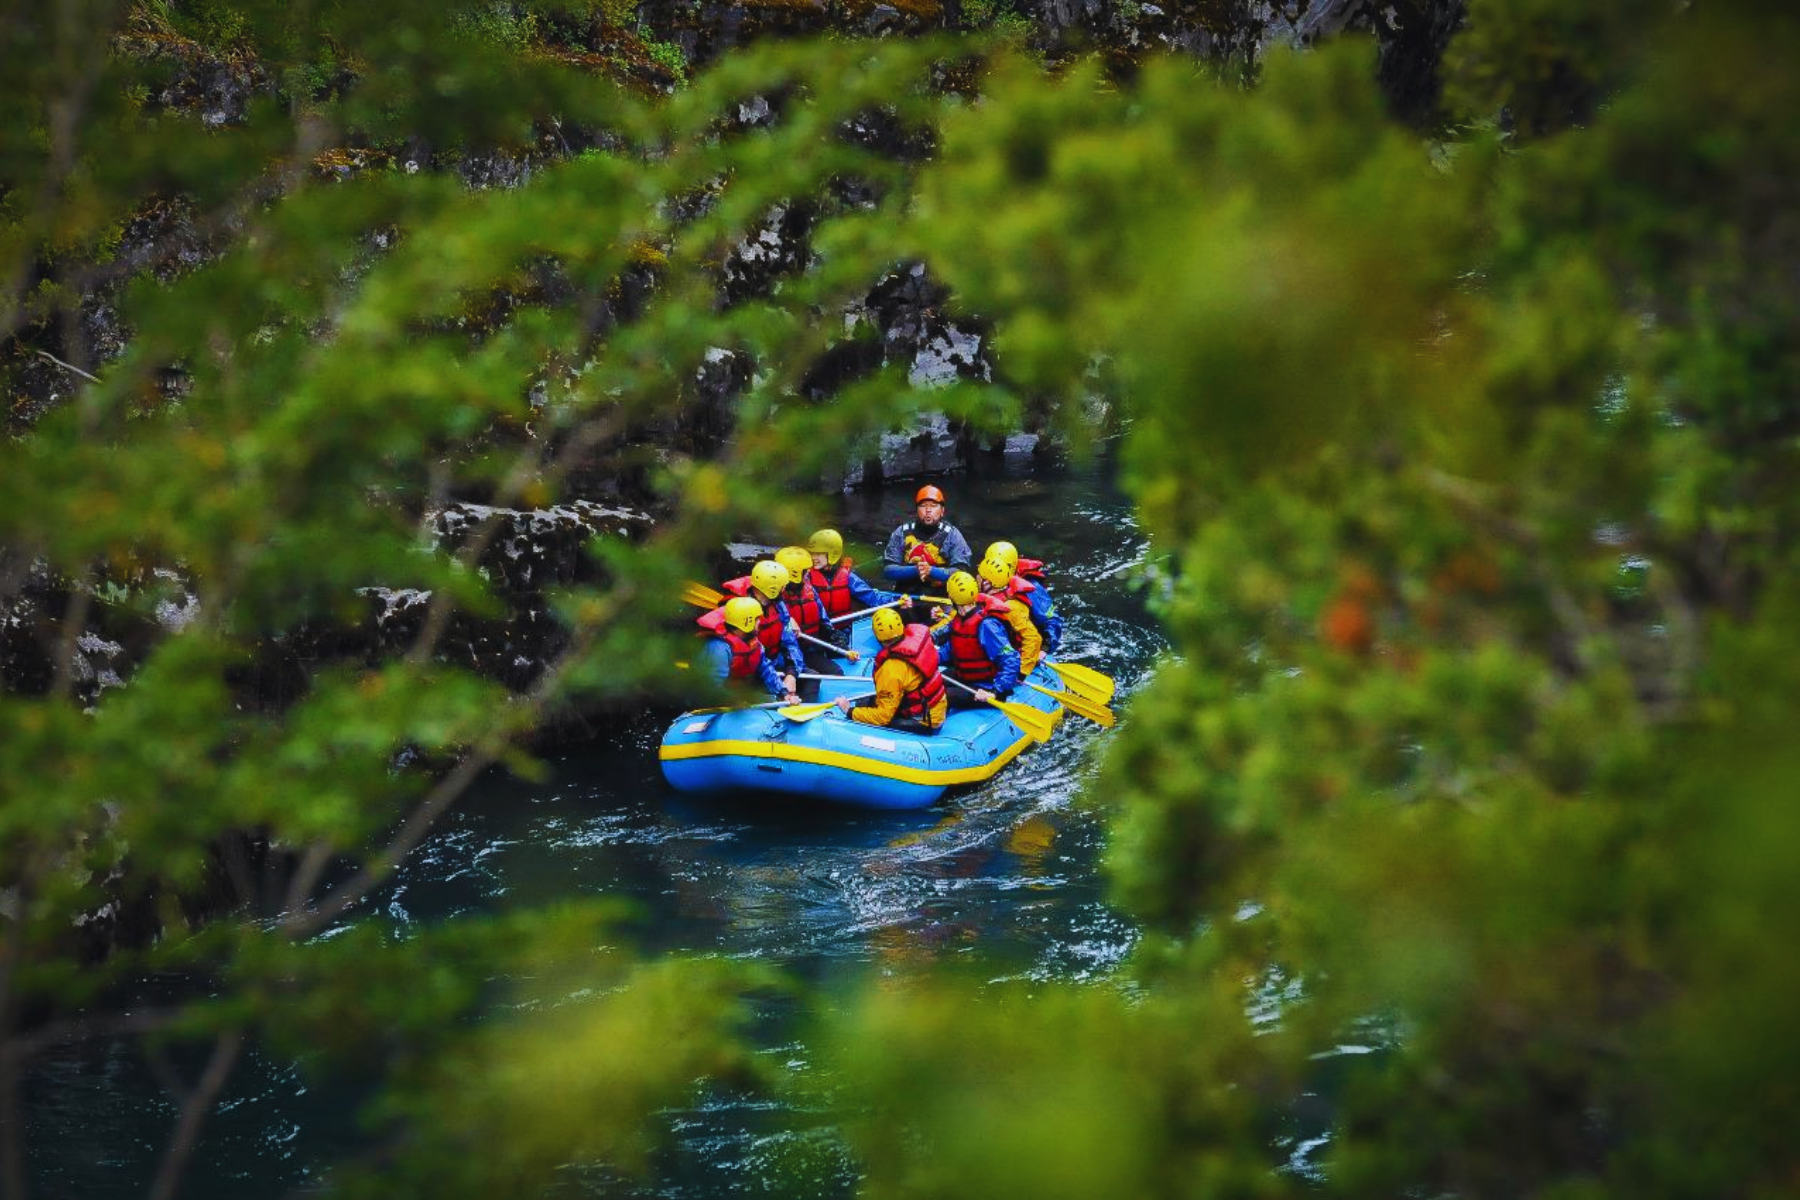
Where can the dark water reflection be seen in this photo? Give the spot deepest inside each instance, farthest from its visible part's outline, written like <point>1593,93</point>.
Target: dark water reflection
<point>1000,879</point>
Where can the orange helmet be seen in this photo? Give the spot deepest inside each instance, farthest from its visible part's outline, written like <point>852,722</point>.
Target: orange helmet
<point>928,493</point>
<point>887,625</point>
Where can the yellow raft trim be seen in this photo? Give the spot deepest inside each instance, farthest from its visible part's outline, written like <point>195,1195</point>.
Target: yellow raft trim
<point>849,762</point>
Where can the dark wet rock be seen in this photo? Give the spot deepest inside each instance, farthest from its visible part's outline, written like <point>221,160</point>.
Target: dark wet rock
<point>160,239</point>
<point>216,88</point>
<point>29,627</point>
<point>880,131</point>
<point>524,554</point>
<point>1411,39</point>
<point>242,871</point>
<point>1059,17</point>
<point>755,113</point>
<point>778,247</point>
<point>907,306</point>
<point>529,550</point>
<point>496,169</point>
<point>35,386</point>
<point>934,447</point>
<point>704,31</point>
<point>103,647</point>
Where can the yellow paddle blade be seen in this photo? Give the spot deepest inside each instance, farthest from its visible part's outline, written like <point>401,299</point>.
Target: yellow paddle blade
<point>701,596</point>
<point>1085,681</point>
<point>805,712</point>
<point>1037,724</point>
<point>1080,705</point>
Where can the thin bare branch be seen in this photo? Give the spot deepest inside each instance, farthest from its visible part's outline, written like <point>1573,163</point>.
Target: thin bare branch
<point>82,1029</point>
<point>68,366</point>
<point>447,790</point>
<point>194,1112</point>
<point>74,620</point>
<point>522,474</point>
<point>306,875</point>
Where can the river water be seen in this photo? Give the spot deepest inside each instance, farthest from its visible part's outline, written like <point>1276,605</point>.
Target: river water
<point>1002,879</point>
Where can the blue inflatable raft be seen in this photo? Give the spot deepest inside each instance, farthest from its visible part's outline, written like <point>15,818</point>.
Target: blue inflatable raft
<point>834,758</point>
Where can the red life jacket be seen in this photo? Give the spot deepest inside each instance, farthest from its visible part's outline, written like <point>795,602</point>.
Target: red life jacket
<point>916,647</point>
<point>833,590</point>
<point>1031,568</point>
<point>768,632</point>
<point>809,610</point>
<point>746,654</point>
<point>1019,589</point>
<point>967,658</point>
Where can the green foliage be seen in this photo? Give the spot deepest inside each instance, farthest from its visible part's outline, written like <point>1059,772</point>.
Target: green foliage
<point>1469,478</point>
<point>616,12</point>
<point>341,360</point>
<point>1395,430</point>
<point>211,23</point>
<point>669,57</point>
<point>1068,1094</point>
<point>1000,18</point>
<point>502,25</point>
<point>1549,65</point>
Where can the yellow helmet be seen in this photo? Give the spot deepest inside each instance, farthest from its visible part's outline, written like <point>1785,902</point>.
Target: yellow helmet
<point>961,588</point>
<point>887,625</point>
<point>828,542</point>
<point>996,570</point>
<point>742,613</point>
<point>797,561</point>
<point>769,577</point>
<point>1004,550</point>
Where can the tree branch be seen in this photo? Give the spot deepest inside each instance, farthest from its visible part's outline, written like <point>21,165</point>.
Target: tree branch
<point>194,1113</point>
<point>81,1029</point>
<point>306,875</point>
<point>68,366</point>
<point>448,789</point>
<point>74,618</point>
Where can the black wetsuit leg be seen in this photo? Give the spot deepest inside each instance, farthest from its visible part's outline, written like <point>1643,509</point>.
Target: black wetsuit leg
<point>818,662</point>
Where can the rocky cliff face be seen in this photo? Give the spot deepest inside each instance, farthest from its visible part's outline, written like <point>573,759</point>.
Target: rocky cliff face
<point>82,637</point>
<point>906,321</point>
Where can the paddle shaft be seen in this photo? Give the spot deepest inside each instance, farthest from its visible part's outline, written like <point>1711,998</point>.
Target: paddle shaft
<point>807,637</point>
<point>863,612</point>
<point>815,708</point>
<point>737,707</point>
